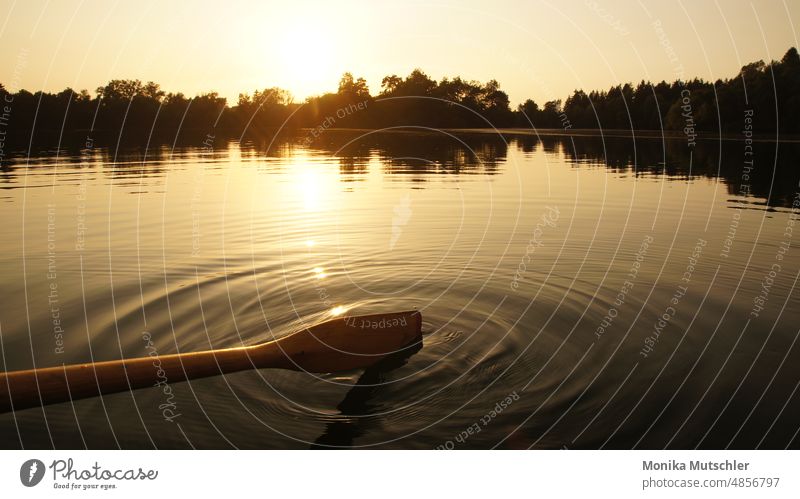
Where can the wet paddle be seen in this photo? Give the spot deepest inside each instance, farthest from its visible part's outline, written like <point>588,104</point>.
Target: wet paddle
<point>336,345</point>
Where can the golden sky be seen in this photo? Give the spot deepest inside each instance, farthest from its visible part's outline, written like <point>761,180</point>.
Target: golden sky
<point>537,49</point>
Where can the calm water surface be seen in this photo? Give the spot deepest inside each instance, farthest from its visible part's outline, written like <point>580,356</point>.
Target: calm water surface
<point>541,266</point>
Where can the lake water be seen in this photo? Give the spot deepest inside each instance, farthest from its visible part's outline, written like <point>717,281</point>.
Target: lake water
<point>542,267</point>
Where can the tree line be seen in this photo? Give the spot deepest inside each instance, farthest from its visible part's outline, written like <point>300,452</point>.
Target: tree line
<point>771,90</point>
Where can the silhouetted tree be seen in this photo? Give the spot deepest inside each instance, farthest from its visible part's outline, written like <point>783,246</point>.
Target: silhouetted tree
<point>353,88</point>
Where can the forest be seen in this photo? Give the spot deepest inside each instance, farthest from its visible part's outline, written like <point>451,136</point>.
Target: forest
<point>771,90</point>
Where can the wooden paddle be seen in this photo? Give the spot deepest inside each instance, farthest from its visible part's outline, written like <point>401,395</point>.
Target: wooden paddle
<point>336,345</point>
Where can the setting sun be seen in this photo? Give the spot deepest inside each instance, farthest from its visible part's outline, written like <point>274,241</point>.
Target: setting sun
<point>308,55</point>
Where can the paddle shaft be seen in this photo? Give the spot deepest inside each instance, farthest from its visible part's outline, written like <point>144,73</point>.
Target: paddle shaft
<point>34,387</point>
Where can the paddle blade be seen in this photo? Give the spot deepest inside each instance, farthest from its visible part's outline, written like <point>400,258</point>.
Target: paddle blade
<point>347,343</point>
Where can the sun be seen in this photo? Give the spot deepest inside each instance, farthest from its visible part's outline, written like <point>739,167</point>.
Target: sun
<point>308,55</point>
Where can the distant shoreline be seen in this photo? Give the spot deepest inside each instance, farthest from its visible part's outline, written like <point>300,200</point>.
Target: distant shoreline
<point>644,134</point>
<point>19,142</point>
<point>580,132</point>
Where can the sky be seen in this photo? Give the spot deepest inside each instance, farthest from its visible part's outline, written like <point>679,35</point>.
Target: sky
<point>535,49</point>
